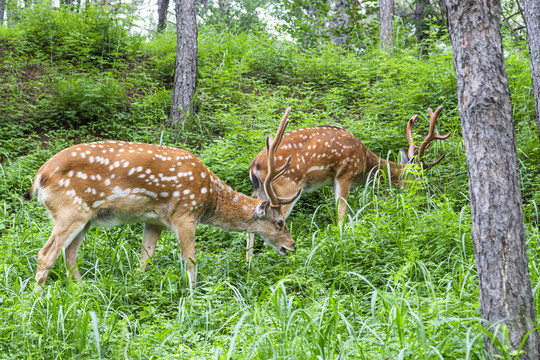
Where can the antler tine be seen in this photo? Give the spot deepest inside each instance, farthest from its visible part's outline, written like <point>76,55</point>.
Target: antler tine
<point>412,147</point>
<point>431,136</point>
<point>273,171</point>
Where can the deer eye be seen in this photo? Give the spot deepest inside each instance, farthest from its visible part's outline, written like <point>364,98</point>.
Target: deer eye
<point>280,223</point>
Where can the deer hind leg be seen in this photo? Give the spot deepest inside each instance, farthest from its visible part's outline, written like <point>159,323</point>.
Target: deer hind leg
<point>341,189</point>
<point>151,234</point>
<point>184,227</point>
<point>66,230</point>
<point>71,253</point>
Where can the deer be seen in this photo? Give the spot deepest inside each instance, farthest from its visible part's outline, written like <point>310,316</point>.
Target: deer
<point>109,183</point>
<point>329,155</point>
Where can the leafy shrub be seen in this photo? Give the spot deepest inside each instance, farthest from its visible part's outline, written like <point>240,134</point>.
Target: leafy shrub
<point>82,101</point>
<point>61,34</point>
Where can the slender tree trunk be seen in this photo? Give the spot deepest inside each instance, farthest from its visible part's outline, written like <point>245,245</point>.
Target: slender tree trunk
<point>163,7</point>
<point>532,21</point>
<point>420,23</point>
<point>340,21</point>
<point>185,74</point>
<point>498,228</point>
<point>386,13</point>
<point>2,6</point>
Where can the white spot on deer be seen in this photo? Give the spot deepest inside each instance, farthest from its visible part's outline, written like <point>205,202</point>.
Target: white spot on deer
<point>74,154</point>
<point>85,207</point>
<point>245,207</point>
<point>131,151</point>
<point>204,190</point>
<point>148,171</point>
<point>150,151</point>
<point>176,194</point>
<point>203,174</point>
<point>98,176</point>
<point>93,145</point>
<point>121,150</point>
<point>191,178</point>
<point>70,192</point>
<point>107,182</point>
<point>142,176</point>
<point>164,194</point>
<point>116,164</point>
<point>194,203</point>
<point>66,183</point>
<point>70,173</point>
<point>172,169</point>
<point>131,171</point>
<point>236,199</point>
<point>139,168</point>
<point>83,155</point>
<point>186,191</point>
<point>97,203</point>
<point>61,182</point>
<point>192,196</point>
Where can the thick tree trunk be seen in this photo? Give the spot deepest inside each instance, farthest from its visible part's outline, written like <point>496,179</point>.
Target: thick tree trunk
<point>532,21</point>
<point>498,228</point>
<point>386,13</point>
<point>185,74</point>
<point>163,7</point>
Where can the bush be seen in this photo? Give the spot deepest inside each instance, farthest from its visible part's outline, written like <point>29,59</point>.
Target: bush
<point>61,34</point>
<point>83,101</point>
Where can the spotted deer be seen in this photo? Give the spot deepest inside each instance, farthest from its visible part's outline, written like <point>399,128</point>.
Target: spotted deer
<point>108,183</point>
<point>330,155</point>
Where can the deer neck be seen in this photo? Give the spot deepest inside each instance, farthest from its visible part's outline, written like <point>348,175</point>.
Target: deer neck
<point>231,209</point>
<point>377,165</point>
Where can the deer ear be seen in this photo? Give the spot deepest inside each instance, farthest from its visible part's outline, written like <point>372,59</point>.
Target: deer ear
<point>403,158</point>
<point>260,210</point>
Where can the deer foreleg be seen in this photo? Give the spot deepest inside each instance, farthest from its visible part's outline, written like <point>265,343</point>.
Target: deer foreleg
<point>341,189</point>
<point>185,234</point>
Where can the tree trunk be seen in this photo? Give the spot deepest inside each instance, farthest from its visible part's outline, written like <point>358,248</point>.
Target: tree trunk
<point>386,13</point>
<point>1,12</point>
<point>532,21</point>
<point>420,24</point>
<point>163,7</point>
<point>498,228</point>
<point>185,73</point>
<point>340,21</point>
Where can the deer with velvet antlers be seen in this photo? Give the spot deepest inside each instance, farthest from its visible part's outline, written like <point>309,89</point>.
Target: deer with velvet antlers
<point>330,155</point>
<point>109,183</point>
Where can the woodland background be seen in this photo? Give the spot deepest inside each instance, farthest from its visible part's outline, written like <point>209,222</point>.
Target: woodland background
<point>397,280</point>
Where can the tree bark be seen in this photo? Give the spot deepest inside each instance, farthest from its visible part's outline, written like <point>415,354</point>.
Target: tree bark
<point>420,23</point>
<point>163,7</point>
<point>532,22</point>
<point>185,74</point>
<point>386,13</point>
<point>498,228</point>
<point>340,20</point>
<point>1,12</point>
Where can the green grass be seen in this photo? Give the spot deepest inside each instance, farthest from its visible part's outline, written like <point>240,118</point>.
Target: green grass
<point>396,280</point>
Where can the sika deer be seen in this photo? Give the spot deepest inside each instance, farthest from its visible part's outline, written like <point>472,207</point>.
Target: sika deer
<point>109,183</point>
<point>330,155</point>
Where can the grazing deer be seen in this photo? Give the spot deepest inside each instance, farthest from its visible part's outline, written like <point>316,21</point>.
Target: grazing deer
<point>330,155</point>
<point>109,183</point>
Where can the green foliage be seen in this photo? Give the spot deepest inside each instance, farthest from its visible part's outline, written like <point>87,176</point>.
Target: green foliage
<point>84,100</point>
<point>97,36</point>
